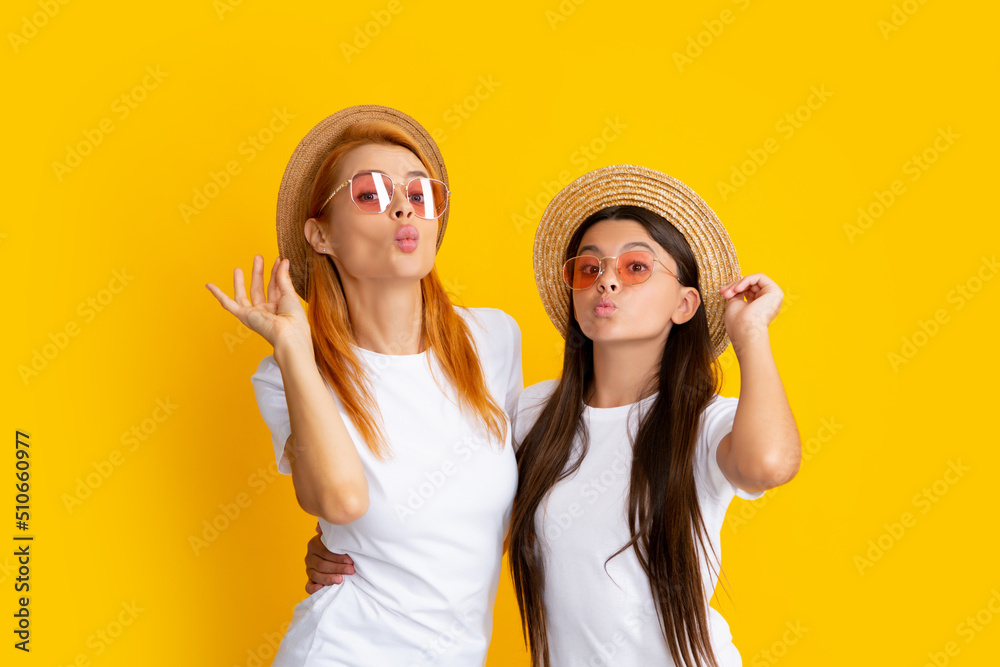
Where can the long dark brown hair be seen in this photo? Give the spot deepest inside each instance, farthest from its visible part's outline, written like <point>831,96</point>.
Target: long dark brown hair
<point>663,514</point>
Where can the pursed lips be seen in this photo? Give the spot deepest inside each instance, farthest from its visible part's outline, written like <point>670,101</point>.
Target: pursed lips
<point>605,307</point>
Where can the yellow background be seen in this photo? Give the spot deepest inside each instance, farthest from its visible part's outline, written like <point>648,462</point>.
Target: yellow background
<point>878,431</point>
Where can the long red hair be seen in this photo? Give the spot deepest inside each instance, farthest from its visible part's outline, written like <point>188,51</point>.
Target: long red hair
<point>446,333</point>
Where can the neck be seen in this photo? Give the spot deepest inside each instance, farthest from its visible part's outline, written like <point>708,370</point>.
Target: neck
<point>623,371</point>
<point>386,315</point>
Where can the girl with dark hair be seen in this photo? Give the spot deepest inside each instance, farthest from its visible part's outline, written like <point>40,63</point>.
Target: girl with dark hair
<point>628,462</point>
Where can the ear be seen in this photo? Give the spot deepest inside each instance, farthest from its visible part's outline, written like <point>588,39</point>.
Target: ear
<point>690,300</point>
<point>316,236</point>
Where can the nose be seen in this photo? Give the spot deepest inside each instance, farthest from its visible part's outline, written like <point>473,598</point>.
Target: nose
<point>400,207</point>
<point>608,280</point>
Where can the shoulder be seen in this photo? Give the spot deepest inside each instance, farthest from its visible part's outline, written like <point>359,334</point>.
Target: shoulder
<point>715,422</point>
<point>537,393</point>
<point>495,332</point>
<point>530,404</point>
<point>488,320</point>
<point>719,405</point>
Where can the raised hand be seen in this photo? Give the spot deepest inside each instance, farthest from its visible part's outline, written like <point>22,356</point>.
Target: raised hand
<point>276,315</point>
<point>745,318</point>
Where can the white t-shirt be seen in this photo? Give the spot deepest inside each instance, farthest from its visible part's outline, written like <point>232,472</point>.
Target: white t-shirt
<point>427,554</point>
<point>599,618</point>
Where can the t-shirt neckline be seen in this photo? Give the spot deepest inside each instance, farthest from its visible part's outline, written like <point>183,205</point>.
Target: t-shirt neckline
<point>619,411</point>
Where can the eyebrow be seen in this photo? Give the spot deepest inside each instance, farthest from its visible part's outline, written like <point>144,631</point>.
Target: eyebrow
<point>627,246</point>
<point>407,174</point>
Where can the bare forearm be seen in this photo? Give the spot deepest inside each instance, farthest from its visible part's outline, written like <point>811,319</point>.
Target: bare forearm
<point>327,472</point>
<point>765,437</point>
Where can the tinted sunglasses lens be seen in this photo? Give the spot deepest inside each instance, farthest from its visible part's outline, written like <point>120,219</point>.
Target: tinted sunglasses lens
<point>581,272</point>
<point>635,267</point>
<point>428,197</point>
<point>371,191</point>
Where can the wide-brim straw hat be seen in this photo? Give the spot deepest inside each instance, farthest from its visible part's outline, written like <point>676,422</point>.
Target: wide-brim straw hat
<point>308,157</point>
<point>633,185</point>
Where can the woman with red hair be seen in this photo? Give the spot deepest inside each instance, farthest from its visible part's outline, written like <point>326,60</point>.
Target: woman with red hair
<point>386,403</point>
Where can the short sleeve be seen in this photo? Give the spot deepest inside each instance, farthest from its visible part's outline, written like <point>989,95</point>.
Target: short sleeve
<point>530,404</point>
<point>515,383</point>
<point>270,393</point>
<point>717,421</point>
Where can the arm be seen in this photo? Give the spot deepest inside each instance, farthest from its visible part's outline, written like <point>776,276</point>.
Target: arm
<point>763,450</point>
<point>327,473</point>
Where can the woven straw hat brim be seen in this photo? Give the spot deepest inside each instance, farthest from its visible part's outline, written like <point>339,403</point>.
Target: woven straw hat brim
<point>619,185</point>
<point>308,157</point>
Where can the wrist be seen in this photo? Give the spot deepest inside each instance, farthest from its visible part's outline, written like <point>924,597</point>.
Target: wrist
<point>292,350</point>
<point>751,340</point>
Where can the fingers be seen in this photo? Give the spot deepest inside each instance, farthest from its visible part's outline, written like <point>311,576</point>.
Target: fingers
<point>257,281</point>
<point>284,278</point>
<point>753,283</point>
<point>224,299</point>
<point>318,529</point>
<point>274,295</point>
<point>313,587</point>
<point>324,568</point>
<point>323,578</point>
<point>239,288</point>
<point>322,560</point>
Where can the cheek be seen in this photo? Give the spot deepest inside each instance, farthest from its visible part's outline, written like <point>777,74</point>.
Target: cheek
<point>350,232</point>
<point>656,308</point>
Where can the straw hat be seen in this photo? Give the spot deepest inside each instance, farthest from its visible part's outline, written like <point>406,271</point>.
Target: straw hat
<point>633,185</point>
<point>308,157</point>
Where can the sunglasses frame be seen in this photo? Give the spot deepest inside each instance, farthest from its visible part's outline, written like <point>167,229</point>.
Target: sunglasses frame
<point>600,265</point>
<point>406,188</point>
